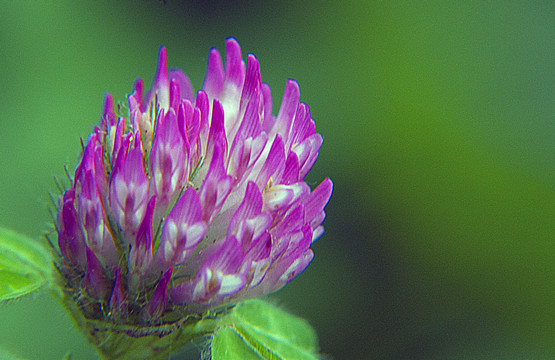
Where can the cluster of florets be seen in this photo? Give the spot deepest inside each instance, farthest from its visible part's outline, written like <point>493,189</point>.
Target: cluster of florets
<point>187,201</point>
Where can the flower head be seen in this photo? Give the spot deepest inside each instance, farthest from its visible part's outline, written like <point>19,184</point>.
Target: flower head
<point>190,201</point>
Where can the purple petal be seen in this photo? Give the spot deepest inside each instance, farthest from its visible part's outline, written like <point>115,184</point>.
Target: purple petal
<point>249,207</point>
<point>291,172</point>
<point>159,300</point>
<point>95,283</point>
<point>71,240</point>
<point>192,121</point>
<point>129,191</point>
<point>287,110</point>
<point>291,222</point>
<point>215,188</point>
<point>182,293</point>
<point>234,65</point>
<point>307,153</point>
<point>140,255</point>
<point>168,163</point>
<point>217,132</point>
<point>161,83</point>
<point>218,275</point>
<point>93,217</point>
<point>250,126</point>
<point>317,200</point>
<point>274,164</point>
<point>119,147</point>
<point>244,156</point>
<point>175,94</point>
<point>87,162</point>
<point>248,223</point>
<point>187,91</point>
<point>296,268</point>
<point>206,285</point>
<point>227,258</point>
<point>258,259</point>
<point>118,304</point>
<point>100,175</point>
<point>203,104</point>
<point>182,231</point>
<point>301,124</point>
<point>279,197</point>
<point>291,262</point>
<point>231,284</point>
<point>137,96</point>
<point>252,86</point>
<point>214,79</point>
<point>269,119</point>
<point>109,116</point>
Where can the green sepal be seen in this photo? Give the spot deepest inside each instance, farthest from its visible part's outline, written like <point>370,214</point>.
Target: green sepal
<point>258,330</point>
<point>25,265</point>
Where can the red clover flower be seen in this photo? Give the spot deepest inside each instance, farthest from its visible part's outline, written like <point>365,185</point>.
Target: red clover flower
<point>186,203</point>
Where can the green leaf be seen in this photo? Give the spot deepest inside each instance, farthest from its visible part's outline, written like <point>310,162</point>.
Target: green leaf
<point>258,330</point>
<point>25,265</point>
<point>228,344</point>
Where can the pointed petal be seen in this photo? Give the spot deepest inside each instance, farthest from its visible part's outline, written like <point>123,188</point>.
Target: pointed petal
<point>203,104</point>
<point>71,239</point>
<point>234,65</point>
<point>274,164</point>
<point>269,119</point>
<point>299,127</point>
<point>160,87</point>
<point>291,172</point>
<point>291,263</point>
<point>109,116</point>
<point>182,231</point>
<point>250,126</point>
<point>168,163</point>
<point>95,283</point>
<point>217,132</point>
<point>118,303</point>
<point>156,306</point>
<point>218,274</point>
<point>214,78</point>
<point>291,222</point>
<point>138,93</point>
<point>215,188</point>
<point>129,190</point>
<point>289,104</point>
<point>279,197</point>
<point>317,200</point>
<point>296,268</point>
<point>175,94</point>
<point>252,87</point>
<point>182,293</point>
<point>244,156</point>
<point>140,255</point>
<point>93,217</point>
<point>187,91</point>
<point>307,153</point>
<point>249,207</point>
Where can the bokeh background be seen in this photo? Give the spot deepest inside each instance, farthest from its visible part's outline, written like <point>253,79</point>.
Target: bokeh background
<point>438,120</point>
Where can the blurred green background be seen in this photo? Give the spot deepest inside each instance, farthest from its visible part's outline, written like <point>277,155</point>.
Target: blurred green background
<point>439,128</point>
